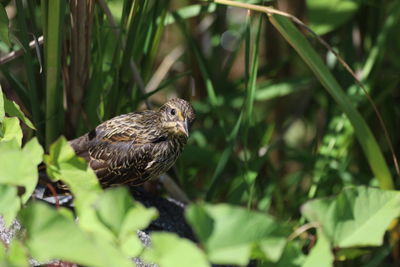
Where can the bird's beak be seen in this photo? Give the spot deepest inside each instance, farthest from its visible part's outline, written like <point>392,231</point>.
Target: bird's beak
<point>184,127</point>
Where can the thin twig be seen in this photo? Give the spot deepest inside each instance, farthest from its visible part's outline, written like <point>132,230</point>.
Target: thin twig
<point>14,54</point>
<point>163,69</point>
<point>303,229</point>
<point>54,193</point>
<point>272,11</point>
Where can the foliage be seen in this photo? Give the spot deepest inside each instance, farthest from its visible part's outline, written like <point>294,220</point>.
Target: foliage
<point>284,138</point>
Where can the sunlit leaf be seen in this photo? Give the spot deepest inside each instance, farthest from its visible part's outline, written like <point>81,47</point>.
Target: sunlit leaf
<point>292,256</point>
<point>9,203</point>
<point>320,255</point>
<point>11,160</point>
<point>13,109</point>
<point>64,165</point>
<point>17,254</point>
<point>11,130</point>
<point>168,250</point>
<point>230,233</point>
<point>358,216</point>
<point>55,236</point>
<point>116,209</point>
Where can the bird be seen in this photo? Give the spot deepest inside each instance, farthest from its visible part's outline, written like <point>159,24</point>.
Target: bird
<point>133,148</point>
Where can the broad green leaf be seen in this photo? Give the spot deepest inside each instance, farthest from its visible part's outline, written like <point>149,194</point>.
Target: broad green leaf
<point>14,256</point>
<point>17,254</point>
<point>137,218</point>
<point>34,151</point>
<point>9,203</point>
<point>220,229</point>
<point>358,216</point>
<point>326,15</point>
<point>11,130</point>
<point>292,256</point>
<point>131,245</point>
<point>169,250</point>
<point>14,177</point>
<point>2,254</point>
<point>364,135</point>
<point>55,236</point>
<point>4,31</point>
<point>13,109</point>
<point>112,207</point>
<point>11,160</point>
<point>320,255</point>
<point>116,209</point>
<point>63,164</point>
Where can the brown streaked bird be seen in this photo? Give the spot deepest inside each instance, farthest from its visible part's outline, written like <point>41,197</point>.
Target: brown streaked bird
<point>132,148</point>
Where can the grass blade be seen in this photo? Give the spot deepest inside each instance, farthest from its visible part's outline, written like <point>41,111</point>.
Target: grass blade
<point>52,56</point>
<point>364,135</point>
<point>29,67</point>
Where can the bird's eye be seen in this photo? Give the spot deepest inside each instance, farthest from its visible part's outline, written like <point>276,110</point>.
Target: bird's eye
<point>173,112</point>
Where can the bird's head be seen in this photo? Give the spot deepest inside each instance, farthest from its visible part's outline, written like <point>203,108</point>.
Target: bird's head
<point>177,115</point>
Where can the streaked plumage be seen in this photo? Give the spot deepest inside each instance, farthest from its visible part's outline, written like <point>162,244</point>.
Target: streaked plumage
<point>134,147</point>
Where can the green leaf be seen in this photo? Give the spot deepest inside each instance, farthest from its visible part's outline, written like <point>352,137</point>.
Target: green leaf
<point>11,160</point>
<point>112,207</point>
<point>131,246</point>
<point>292,256</point>
<point>13,109</point>
<point>364,135</point>
<point>17,255</point>
<point>11,130</point>
<point>116,209</point>
<point>326,15</point>
<point>9,203</point>
<point>4,31</point>
<point>55,236</point>
<point>14,256</point>
<point>358,216</point>
<point>34,152</point>
<point>64,165</point>
<point>320,255</point>
<point>220,230</point>
<point>168,250</point>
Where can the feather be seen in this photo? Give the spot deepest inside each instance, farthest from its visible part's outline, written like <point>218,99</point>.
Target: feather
<point>135,147</point>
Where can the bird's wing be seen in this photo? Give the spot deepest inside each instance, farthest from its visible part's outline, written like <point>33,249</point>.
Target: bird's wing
<point>121,162</point>
<point>121,149</point>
